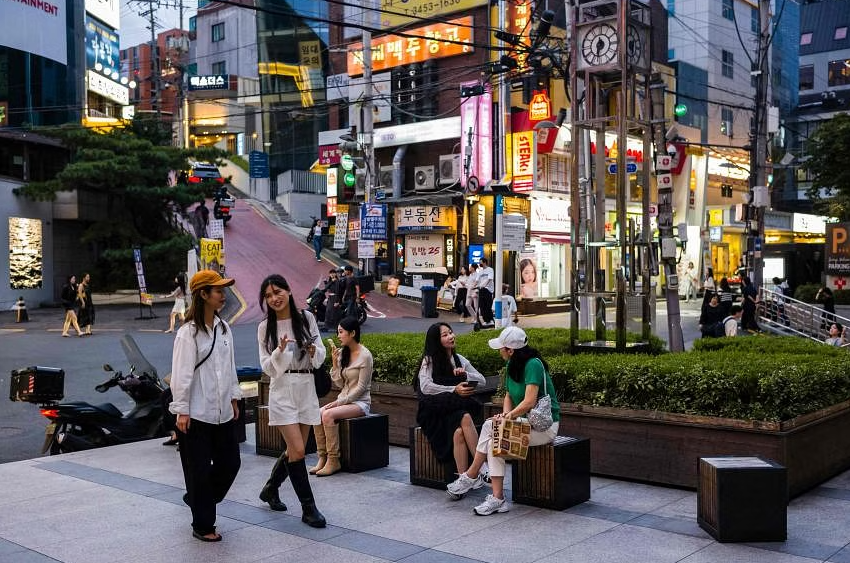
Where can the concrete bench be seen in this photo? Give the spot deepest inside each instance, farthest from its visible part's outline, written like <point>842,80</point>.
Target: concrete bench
<point>364,442</point>
<point>425,469</point>
<point>555,475</point>
<point>742,498</point>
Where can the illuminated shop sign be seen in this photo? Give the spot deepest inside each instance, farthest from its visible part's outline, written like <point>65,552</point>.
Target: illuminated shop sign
<point>102,49</point>
<point>434,41</point>
<point>107,88</point>
<point>209,82</point>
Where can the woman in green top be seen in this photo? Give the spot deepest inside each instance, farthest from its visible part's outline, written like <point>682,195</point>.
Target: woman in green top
<point>526,371</point>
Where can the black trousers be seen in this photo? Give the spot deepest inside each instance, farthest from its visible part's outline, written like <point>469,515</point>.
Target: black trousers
<point>209,454</point>
<point>485,305</point>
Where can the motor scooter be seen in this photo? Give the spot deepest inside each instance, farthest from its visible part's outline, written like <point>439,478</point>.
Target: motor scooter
<point>223,203</point>
<point>79,425</point>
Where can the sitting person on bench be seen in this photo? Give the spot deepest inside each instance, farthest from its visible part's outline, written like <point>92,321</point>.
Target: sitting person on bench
<point>447,409</point>
<point>352,372</point>
<point>526,373</point>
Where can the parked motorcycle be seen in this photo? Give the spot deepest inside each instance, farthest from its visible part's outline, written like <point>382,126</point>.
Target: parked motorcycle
<point>79,425</point>
<point>223,204</point>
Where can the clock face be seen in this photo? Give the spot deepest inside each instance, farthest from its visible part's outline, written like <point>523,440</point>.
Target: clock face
<point>599,46</point>
<point>634,45</point>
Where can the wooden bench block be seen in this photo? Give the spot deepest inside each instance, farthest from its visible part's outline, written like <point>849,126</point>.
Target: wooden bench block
<point>268,439</point>
<point>425,469</point>
<point>554,476</point>
<point>364,442</point>
<point>742,499</point>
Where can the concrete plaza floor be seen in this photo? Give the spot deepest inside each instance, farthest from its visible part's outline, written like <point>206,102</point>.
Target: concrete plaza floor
<point>124,504</point>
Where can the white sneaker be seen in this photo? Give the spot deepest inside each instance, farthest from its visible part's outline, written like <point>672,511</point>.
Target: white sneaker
<point>463,484</point>
<point>453,496</point>
<point>490,505</point>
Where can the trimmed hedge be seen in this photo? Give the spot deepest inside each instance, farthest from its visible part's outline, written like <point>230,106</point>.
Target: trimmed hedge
<point>808,291</point>
<point>754,378</point>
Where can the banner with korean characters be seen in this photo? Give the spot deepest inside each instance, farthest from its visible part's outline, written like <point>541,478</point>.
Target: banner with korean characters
<point>373,221</point>
<point>341,231</point>
<point>425,218</point>
<point>423,252</point>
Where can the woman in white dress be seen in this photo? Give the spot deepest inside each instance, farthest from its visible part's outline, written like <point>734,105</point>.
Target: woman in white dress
<point>290,348</point>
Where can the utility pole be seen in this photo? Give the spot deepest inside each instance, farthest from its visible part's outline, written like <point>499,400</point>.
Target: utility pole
<point>154,61</point>
<point>367,125</point>
<point>759,199</point>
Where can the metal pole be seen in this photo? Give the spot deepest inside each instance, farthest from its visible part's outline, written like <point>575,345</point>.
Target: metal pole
<point>497,285</point>
<point>759,156</point>
<point>578,144</point>
<point>367,115</point>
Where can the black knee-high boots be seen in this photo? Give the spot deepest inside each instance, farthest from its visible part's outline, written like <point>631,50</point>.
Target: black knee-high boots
<point>271,490</point>
<point>301,483</point>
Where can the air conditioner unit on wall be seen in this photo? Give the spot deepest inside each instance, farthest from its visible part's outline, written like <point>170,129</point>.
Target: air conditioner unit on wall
<point>449,169</point>
<point>386,177</point>
<point>423,179</point>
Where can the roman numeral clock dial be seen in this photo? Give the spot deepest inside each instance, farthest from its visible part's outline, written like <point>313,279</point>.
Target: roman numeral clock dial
<point>599,45</point>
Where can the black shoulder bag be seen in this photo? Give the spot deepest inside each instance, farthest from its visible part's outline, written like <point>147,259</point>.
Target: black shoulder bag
<point>321,377</point>
<point>199,364</point>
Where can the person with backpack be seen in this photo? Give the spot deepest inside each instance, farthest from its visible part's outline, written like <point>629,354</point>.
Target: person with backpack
<point>730,323</point>
<point>712,315</point>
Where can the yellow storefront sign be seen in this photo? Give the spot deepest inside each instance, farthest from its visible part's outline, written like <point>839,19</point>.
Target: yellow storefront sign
<point>212,253</point>
<point>395,13</point>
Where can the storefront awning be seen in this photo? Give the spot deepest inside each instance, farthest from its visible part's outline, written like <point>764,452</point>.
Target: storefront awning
<point>555,239</point>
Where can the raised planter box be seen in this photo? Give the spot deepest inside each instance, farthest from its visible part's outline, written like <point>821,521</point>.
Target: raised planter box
<point>399,403</point>
<point>665,448</point>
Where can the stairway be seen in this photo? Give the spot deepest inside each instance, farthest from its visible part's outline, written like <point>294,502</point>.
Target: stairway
<point>280,212</point>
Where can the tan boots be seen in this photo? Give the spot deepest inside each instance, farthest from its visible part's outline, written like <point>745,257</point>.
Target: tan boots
<point>331,465</point>
<point>321,448</point>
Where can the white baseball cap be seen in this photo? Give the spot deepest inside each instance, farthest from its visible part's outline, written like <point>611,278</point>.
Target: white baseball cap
<point>511,337</point>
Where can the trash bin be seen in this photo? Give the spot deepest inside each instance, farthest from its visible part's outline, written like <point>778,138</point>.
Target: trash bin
<point>429,302</point>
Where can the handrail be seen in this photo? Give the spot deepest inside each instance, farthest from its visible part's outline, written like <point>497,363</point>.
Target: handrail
<point>789,315</point>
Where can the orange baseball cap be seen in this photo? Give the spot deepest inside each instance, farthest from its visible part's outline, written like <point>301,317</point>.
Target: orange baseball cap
<point>208,278</point>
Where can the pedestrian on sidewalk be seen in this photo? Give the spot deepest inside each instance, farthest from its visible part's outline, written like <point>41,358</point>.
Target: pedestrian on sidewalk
<point>472,292</point>
<point>290,349</point>
<point>826,297</point>
<point>527,374</point>
<point>85,315</point>
<point>206,391</point>
<point>178,310</point>
<point>690,280</point>
<point>69,303</point>
<point>750,303</point>
<point>460,287</point>
<point>486,289</point>
<point>316,238</point>
<point>352,373</point>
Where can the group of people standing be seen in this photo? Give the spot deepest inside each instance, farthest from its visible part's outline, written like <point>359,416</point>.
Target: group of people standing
<point>78,305</point>
<point>720,314</point>
<point>206,391</point>
<point>474,289</point>
<point>341,291</point>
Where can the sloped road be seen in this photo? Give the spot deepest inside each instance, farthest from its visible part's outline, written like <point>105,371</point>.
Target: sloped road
<point>255,248</point>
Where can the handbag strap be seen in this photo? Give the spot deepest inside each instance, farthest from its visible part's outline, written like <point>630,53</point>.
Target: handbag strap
<point>199,364</point>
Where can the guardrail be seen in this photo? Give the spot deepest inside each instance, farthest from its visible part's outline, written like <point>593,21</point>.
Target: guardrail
<point>787,315</point>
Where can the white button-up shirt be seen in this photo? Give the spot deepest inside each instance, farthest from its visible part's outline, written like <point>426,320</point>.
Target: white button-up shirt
<point>204,394</point>
<point>485,278</point>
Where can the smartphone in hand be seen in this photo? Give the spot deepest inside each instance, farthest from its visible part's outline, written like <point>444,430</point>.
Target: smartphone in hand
<point>471,383</point>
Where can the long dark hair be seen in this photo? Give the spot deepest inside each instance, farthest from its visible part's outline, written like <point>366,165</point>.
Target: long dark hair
<point>181,282</point>
<point>724,285</point>
<point>520,357</point>
<point>349,324</point>
<point>300,326</point>
<point>435,352</point>
<point>196,311</point>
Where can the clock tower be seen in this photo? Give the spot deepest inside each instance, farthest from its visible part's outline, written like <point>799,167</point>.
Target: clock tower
<point>612,131</point>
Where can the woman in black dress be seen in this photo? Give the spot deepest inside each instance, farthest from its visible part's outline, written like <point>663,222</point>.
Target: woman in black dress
<point>447,409</point>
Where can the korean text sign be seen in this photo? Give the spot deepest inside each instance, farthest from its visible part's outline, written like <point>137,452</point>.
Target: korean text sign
<point>424,218</point>
<point>423,251</point>
<point>432,42</point>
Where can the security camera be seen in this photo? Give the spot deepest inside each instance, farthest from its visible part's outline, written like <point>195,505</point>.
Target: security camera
<point>583,180</point>
<point>671,149</point>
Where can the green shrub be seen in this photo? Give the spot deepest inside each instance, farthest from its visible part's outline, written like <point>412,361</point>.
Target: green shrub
<point>756,378</point>
<point>842,296</point>
<point>806,292</point>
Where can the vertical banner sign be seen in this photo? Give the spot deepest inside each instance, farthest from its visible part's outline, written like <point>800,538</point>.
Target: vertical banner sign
<point>476,146</point>
<point>524,161</point>
<point>838,249</point>
<point>145,298</point>
<point>373,221</point>
<point>341,232</point>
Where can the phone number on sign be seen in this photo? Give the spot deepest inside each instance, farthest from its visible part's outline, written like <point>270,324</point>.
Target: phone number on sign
<point>421,7</point>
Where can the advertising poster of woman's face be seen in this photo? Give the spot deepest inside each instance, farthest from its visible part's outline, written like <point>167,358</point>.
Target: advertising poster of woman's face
<point>528,278</point>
